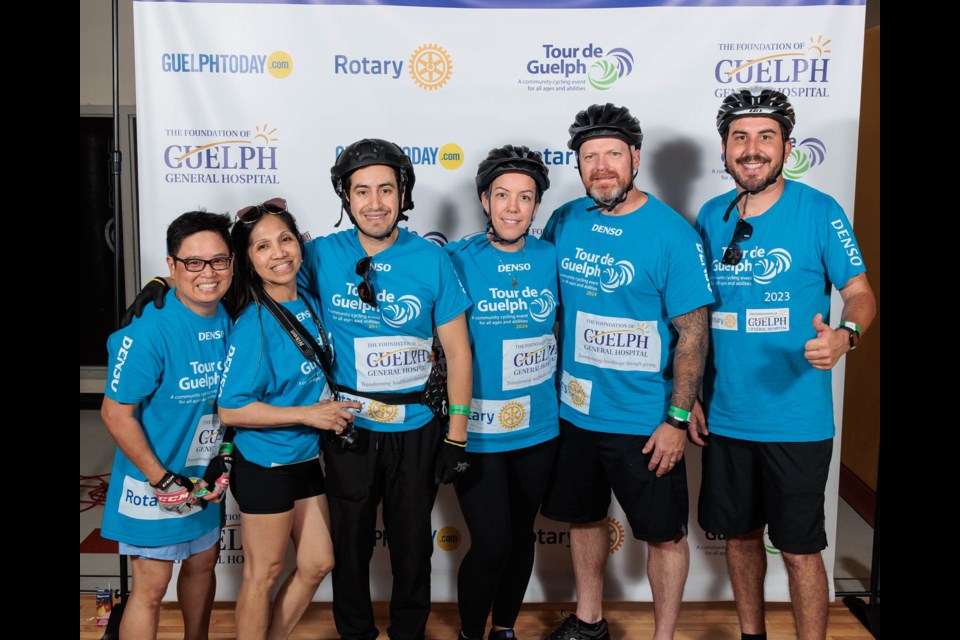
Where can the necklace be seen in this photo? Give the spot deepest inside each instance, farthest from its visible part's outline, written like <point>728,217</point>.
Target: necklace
<point>496,252</point>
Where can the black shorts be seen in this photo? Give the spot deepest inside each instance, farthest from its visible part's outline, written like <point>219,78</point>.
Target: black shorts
<point>747,485</point>
<point>591,463</point>
<point>274,489</point>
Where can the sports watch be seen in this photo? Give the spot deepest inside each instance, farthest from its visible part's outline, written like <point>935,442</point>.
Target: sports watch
<point>854,329</point>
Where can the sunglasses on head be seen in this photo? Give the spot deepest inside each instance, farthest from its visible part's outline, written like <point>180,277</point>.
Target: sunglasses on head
<point>365,288</point>
<point>733,254</point>
<point>249,215</point>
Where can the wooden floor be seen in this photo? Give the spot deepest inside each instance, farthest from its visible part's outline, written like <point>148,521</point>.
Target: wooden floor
<point>628,621</point>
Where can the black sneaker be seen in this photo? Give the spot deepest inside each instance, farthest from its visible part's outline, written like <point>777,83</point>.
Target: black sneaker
<point>502,634</point>
<point>573,629</point>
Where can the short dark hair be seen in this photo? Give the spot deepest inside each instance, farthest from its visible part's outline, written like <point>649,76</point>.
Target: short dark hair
<point>193,222</point>
<point>247,286</point>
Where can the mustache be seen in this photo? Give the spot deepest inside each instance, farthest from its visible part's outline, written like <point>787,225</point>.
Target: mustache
<point>753,159</point>
<point>599,175</point>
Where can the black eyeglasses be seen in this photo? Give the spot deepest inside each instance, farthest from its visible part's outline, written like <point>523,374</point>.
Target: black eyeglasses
<point>249,215</point>
<point>733,254</point>
<point>220,263</point>
<point>365,288</point>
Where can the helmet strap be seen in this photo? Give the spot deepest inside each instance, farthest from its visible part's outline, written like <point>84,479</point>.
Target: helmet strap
<point>771,180</point>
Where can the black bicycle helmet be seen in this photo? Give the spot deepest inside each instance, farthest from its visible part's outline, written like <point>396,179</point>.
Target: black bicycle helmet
<point>767,103</point>
<point>373,151</point>
<point>605,121</point>
<point>511,159</point>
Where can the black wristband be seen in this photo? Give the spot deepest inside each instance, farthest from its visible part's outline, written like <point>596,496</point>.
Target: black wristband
<point>677,423</point>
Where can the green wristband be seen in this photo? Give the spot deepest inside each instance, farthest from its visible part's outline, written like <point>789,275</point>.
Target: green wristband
<point>458,410</point>
<point>455,443</point>
<point>678,413</point>
<point>226,449</point>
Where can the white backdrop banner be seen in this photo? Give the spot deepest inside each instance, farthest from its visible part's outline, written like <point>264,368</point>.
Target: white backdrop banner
<point>242,101</point>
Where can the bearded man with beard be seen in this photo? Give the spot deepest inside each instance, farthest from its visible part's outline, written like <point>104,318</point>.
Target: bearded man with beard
<point>634,291</point>
<point>767,389</point>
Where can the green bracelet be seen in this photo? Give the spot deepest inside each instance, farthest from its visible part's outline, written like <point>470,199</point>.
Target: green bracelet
<point>456,443</point>
<point>458,410</point>
<point>226,448</point>
<point>678,413</point>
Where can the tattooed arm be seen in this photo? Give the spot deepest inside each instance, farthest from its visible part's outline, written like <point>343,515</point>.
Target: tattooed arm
<point>667,441</point>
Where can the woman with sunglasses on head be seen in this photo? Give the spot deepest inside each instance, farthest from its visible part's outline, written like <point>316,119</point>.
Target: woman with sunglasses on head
<point>279,402</point>
<point>512,280</point>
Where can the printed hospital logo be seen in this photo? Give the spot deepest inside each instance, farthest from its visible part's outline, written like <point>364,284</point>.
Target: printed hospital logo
<point>558,68</point>
<point>798,68</point>
<point>382,412</point>
<point>405,309</point>
<point>430,66</point>
<point>805,156</point>
<point>775,262</point>
<point>542,306</point>
<point>615,530</point>
<point>616,276</point>
<point>222,156</point>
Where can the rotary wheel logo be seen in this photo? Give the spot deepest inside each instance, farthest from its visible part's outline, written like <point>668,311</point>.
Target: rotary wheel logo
<point>730,321</point>
<point>511,415</point>
<point>577,394</point>
<point>616,534</point>
<point>382,412</point>
<point>431,66</point>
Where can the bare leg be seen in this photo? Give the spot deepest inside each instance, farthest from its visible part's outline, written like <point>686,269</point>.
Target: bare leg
<point>311,539</point>
<point>667,568</point>
<point>808,593</point>
<point>747,564</point>
<point>196,587</point>
<point>265,538</point>
<point>590,549</point>
<point>141,615</point>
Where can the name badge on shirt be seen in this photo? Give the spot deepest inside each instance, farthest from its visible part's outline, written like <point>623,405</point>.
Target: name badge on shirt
<point>723,320</point>
<point>529,361</point>
<point>768,320</point>
<point>499,416</point>
<point>377,411</point>
<point>575,392</point>
<point>623,344</point>
<point>389,363</point>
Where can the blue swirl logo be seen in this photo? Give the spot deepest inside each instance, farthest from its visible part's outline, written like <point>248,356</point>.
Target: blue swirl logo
<point>619,275</point>
<point>616,64</point>
<point>776,261</point>
<point>543,305</point>
<point>405,309</point>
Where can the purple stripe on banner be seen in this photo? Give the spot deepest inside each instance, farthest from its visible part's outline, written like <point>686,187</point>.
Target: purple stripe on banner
<point>540,4</point>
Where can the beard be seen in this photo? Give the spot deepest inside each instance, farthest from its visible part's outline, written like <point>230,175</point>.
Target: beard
<point>608,193</point>
<point>757,181</point>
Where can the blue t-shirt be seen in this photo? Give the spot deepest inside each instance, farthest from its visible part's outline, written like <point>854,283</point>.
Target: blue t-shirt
<point>758,385</point>
<point>622,278</point>
<point>264,365</point>
<point>169,363</point>
<point>384,349</point>
<point>514,298</point>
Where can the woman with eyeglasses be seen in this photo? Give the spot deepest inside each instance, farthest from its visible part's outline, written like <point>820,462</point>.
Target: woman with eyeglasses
<point>513,424</point>
<point>275,394</point>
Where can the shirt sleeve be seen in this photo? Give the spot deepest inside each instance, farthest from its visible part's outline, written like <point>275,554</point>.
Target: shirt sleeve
<point>243,379</point>
<point>453,299</point>
<point>842,259</point>
<point>136,362</point>
<point>687,281</point>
